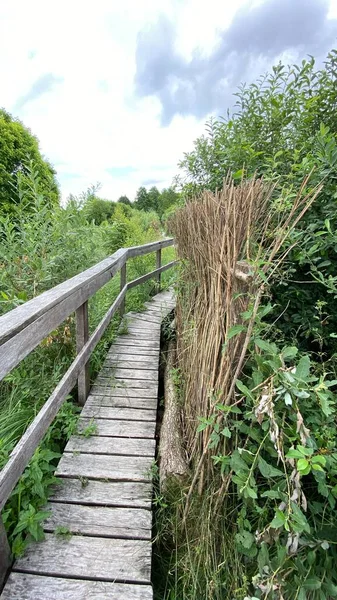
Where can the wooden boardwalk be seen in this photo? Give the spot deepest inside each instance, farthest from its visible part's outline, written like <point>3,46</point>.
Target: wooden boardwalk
<point>104,496</point>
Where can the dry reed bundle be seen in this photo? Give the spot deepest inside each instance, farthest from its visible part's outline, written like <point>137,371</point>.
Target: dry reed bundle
<point>230,244</point>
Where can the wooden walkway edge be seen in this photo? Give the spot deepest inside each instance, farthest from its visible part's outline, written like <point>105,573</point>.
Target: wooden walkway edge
<point>105,491</point>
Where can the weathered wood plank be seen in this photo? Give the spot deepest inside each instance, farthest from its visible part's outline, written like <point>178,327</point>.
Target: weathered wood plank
<point>121,402</point>
<point>110,445</point>
<point>125,383</point>
<point>129,373</point>
<point>144,317</point>
<point>144,334</point>
<point>151,275</point>
<point>124,392</point>
<point>102,466</point>
<point>132,429</point>
<point>82,336</point>
<point>123,348</point>
<point>134,340</point>
<point>116,359</point>
<point>151,365</point>
<point>102,493</point>
<point>23,586</point>
<point>119,413</point>
<point>127,523</point>
<point>5,553</point>
<point>89,557</point>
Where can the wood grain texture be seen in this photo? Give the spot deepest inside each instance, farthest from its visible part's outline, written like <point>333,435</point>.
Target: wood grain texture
<point>120,373</point>
<point>102,493</point>
<point>144,317</point>
<point>123,348</point>
<point>146,363</point>
<point>110,445</point>
<point>121,402</point>
<point>132,429</point>
<point>134,340</point>
<point>23,586</point>
<point>123,391</point>
<point>125,523</point>
<point>101,466</point>
<point>119,413</point>
<point>90,557</point>
<point>113,384</point>
<point>5,553</point>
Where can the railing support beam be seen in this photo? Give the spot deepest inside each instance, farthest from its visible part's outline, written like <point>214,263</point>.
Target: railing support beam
<point>122,284</point>
<point>82,336</point>
<point>158,265</point>
<point>5,553</point>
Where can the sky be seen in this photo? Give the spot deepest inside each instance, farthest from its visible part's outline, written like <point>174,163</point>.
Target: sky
<point>116,91</point>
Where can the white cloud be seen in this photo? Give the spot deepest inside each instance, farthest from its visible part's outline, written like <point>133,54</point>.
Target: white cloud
<point>90,120</point>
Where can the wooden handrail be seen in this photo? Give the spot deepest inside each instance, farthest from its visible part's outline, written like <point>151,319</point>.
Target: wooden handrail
<point>24,324</point>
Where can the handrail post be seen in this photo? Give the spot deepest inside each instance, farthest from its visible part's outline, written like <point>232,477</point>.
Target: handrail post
<point>82,336</point>
<point>5,553</point>
<point>122,284</point>
<point>158,265</point>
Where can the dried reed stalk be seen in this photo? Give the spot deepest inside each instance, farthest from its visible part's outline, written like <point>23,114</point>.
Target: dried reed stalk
<point>230,244</point>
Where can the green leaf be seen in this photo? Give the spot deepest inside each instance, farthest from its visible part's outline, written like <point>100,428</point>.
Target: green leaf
<point>273,494</point>
<point>289,352</point>
<point>235,330</point>
<point>245,539</point>
<point>294,454</point>
<point>266,346</point>
<point>279,519</point>
<point>317,468</point>
<point>268,470</point>
<point>245,391</point>
<point>237,463</point>
<point>312,583</point>
<point>302,464</point>
<point>318,459</point>
<point>303,368</point>
<point>305,450</point>
<point>226,432</point>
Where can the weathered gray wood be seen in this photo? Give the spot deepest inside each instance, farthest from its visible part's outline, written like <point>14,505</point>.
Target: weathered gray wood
<point>127,523</point>
<point>23,586</point>
<point>135,429</point>
<point>111,445</point>
<point>102,466</point>
<point>124,392</point>
<point>148,365</point>
<point>123,348</point>
<point>134,340</point>
<point>120,373</point>
<point>5,553</point>
<point>143,334</point>
<point>122,285</point>
<point>147,362</point>
<point>127,414</point>
<point>89,557</point>
<point>102,493</point>
<point>145,317</point>
<point>82,335</point>
<point>158,265</point>
<point>25,448</point>
<point>120,401</point>
<point>125,383</point>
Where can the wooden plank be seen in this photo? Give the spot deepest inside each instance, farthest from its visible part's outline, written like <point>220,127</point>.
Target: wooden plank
<point>102,493</point>
<point>116,358</point>
<point>119,413</point>
<point>126,523</point>
<point>143,334</point>
<point>5,553</point>
<point>151,275</point>
<point>101,466</point>
<point>105,427</point>
<point>122,284</point>
<point>25,448</point>
<point>82,336</point>
<point>120,401</point>
<point>145,317</point>
<point>113,384</point>
<point>150,375</point>
<point>23,586</point>
<point>124,392</point>
<point>111,445</point>
<point>122,348</point>
<point>134,340</point>
<point>89,557</point>
<point>151,365</point>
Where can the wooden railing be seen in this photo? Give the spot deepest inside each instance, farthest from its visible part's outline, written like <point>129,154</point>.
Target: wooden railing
<point>23,328</point>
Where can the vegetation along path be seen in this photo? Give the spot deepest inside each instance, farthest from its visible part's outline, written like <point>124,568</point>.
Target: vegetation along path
<point>101,511</point>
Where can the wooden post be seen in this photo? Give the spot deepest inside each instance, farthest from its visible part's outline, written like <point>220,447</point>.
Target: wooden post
<point>82,335</point>
<point>122,284</point>
<point>158,265</point>
<point>5,553</point>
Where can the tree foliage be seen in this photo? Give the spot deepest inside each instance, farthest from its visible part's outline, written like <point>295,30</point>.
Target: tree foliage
<point>18,147</point>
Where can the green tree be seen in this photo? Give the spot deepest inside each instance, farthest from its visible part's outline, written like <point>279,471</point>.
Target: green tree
<point>142,199</point>
<point>168,198</point>
<point>124,200</point>
<point>18,149</point>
